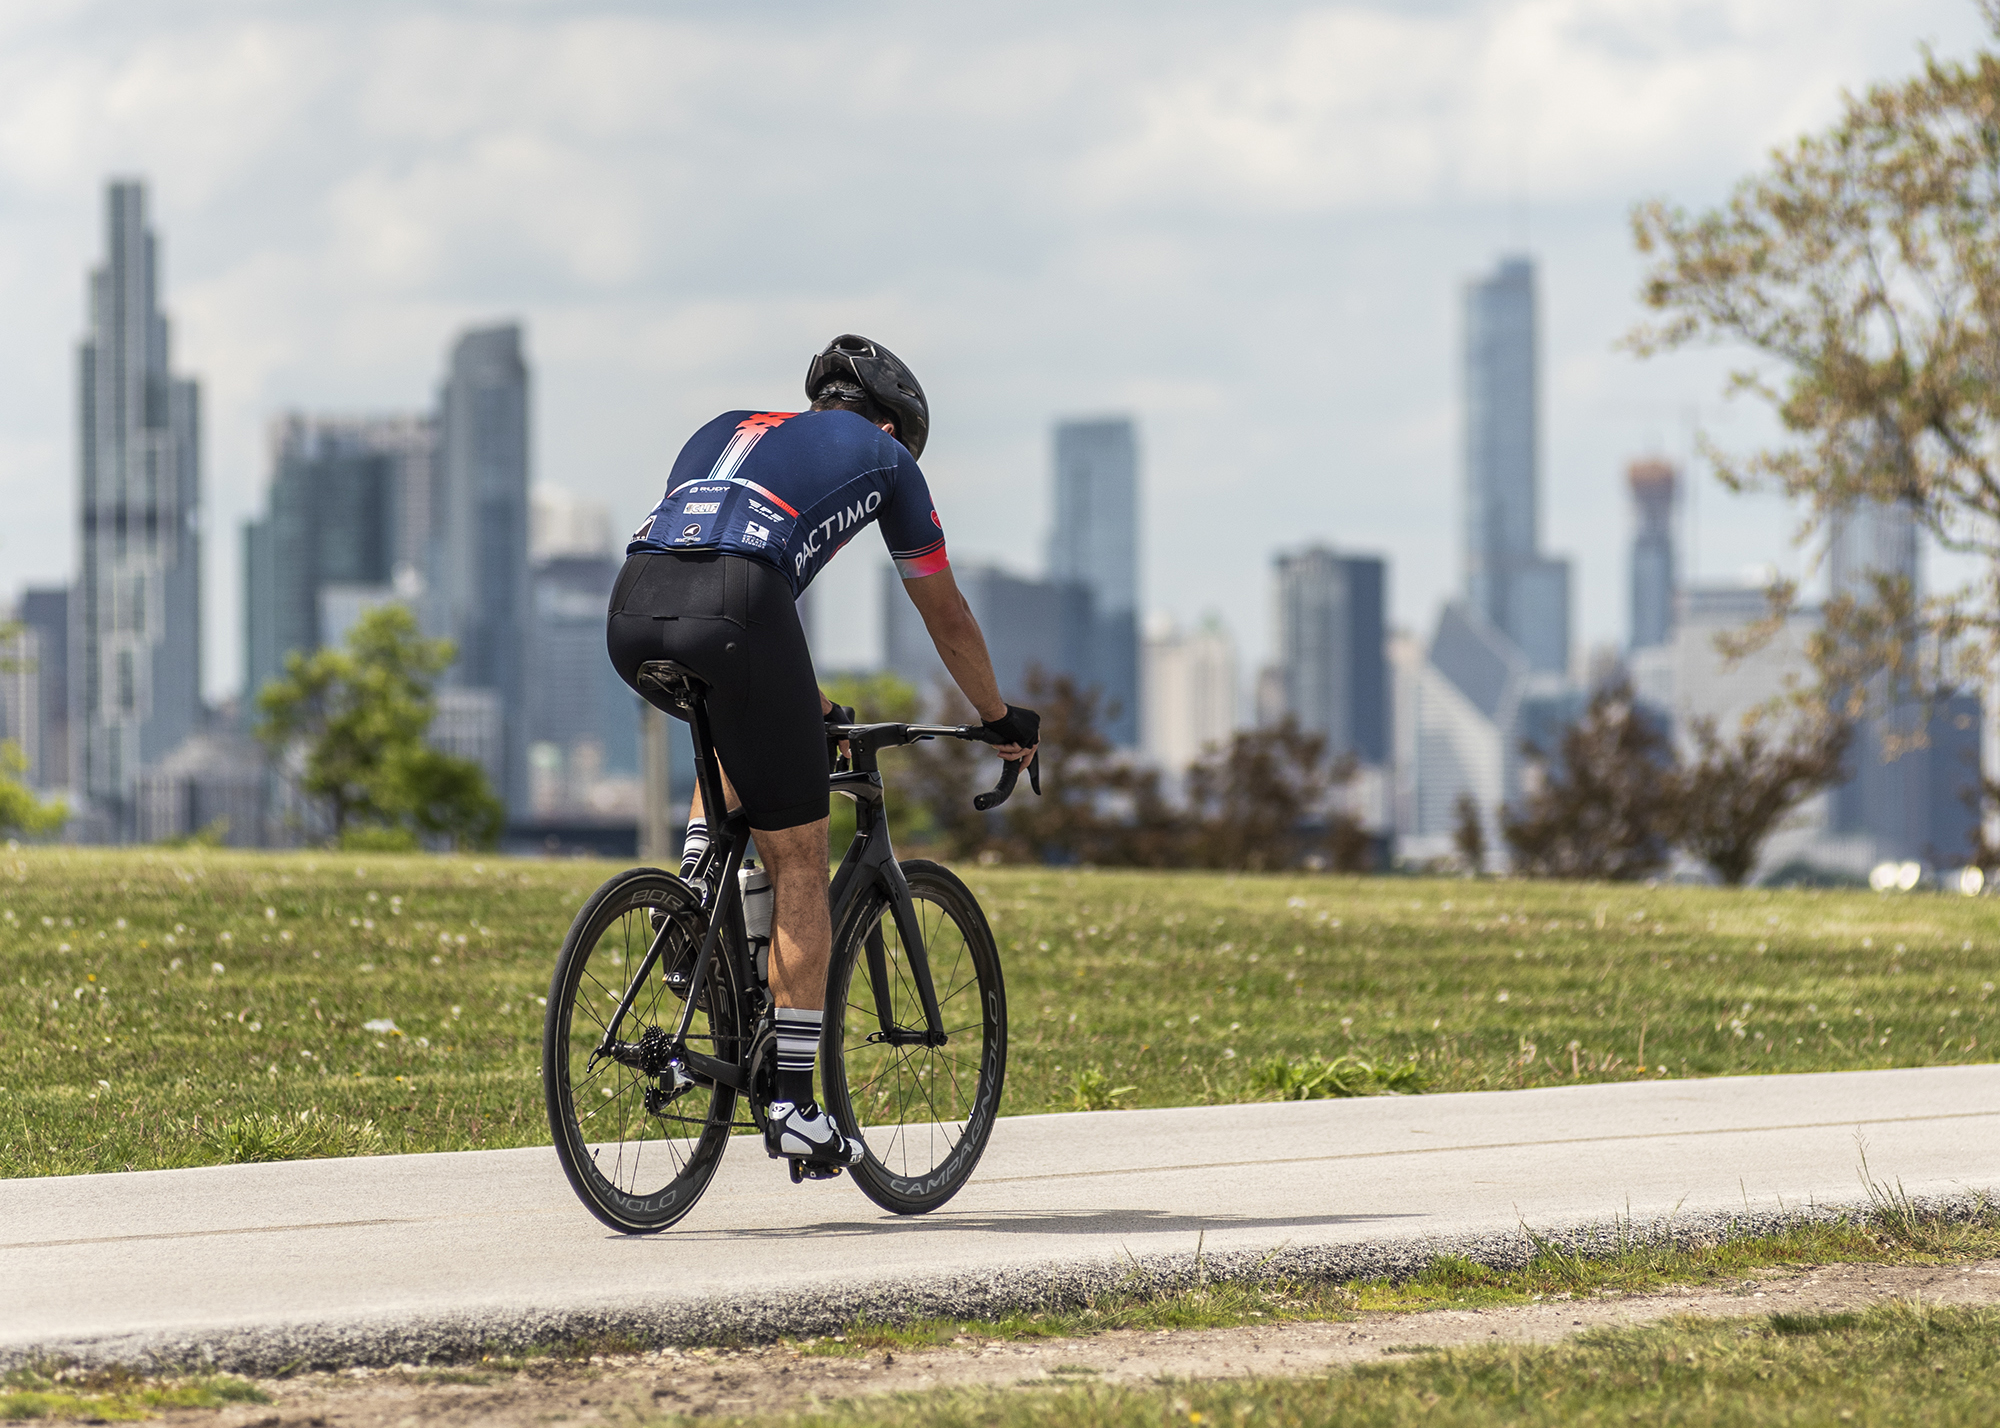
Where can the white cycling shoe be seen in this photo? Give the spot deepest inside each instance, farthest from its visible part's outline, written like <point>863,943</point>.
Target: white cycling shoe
<point>807,1133</point>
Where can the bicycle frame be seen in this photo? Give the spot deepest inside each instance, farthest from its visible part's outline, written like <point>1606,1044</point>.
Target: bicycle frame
<point>869,862</point>
<point>716,873</point>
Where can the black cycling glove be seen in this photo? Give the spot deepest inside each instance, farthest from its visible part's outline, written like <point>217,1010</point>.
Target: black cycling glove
<point>1016,726</point>
<point>839,714</point>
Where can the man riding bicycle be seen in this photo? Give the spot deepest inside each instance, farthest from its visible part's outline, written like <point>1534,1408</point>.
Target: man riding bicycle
<point>757,503</point>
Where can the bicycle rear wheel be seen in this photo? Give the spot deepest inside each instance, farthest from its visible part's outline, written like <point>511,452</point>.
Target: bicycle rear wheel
<point>923,1112</point>
<point>638,1150</point>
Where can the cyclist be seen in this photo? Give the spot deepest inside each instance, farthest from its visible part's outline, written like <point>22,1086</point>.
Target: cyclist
<point>756,505</point>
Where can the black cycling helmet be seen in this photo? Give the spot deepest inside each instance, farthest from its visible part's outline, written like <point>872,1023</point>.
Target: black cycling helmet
<point>849,362</point>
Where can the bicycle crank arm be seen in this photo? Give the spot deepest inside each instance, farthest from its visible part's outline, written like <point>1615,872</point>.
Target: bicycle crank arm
<point>721,1073</point>
<point>653,1057</point>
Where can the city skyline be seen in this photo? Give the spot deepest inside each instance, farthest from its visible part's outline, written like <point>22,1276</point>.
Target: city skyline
<point>1275,306</point>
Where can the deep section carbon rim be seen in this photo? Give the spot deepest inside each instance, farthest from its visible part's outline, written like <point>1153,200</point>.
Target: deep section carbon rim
<point>638,1143</point>
<point>924,1112</point>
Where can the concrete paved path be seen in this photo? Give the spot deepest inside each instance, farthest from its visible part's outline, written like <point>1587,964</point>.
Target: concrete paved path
<point>397,1257</point>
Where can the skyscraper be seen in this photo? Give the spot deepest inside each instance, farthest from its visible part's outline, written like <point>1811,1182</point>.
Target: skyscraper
<point>348,507</point>
<point>1190,695</point>
<point>1331,653</point>
<point>1094,542</point>
<point>1029,624</point>
<point>46,612</point>
<point>135,624</point>
<point>1653,484</point>
<point>1870,541</point>
<point>478,578</point>
<point>1462,706</point>
<point>1912,805</point>
<point>583,722</point>
<point>1507,579</point>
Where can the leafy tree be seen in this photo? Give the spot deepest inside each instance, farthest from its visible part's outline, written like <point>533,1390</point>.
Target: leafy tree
<point>1250,798</point>
<point>1735,794</point>
<point>1097,806</point>
<point>20,811</point>
<point>1861,270</point>
<point>1984,801</point>
<point>1350,847</point>
<point>942,777</point>
<point>1468,834</point>
<point>1605,810</point>
<point>361,714</point>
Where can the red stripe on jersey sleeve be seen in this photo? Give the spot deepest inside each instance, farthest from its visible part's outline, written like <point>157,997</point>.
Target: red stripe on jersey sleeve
<point>924,562</point>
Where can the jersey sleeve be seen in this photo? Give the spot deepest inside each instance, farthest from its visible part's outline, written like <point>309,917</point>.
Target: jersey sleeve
<point>910,525</point>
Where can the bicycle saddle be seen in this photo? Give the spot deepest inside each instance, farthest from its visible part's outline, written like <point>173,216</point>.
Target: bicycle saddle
<point>670,685</point>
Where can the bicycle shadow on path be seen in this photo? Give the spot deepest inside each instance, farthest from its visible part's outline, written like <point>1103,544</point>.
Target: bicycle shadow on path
<point>1040,1222</point>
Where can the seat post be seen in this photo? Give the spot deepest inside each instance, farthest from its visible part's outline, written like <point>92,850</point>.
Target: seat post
<point>708,765</point>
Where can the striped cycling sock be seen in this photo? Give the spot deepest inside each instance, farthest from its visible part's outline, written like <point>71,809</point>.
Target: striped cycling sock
<point>798,1047</point>
<point>693,845</point>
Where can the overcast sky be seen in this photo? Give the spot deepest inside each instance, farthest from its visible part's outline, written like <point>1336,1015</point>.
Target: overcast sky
<point>1247,225</point>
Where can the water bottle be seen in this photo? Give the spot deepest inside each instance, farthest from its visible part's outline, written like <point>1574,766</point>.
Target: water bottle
<point>758,900</point>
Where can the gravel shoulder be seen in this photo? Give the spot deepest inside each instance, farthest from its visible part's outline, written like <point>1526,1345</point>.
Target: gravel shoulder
<point>781,1377</point>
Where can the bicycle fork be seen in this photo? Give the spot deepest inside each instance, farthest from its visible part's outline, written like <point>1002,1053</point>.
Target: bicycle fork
<point>903,909</point>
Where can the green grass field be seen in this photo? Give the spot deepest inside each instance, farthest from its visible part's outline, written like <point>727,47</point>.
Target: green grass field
<point>1900,1364</point>
<point>171,1008</point>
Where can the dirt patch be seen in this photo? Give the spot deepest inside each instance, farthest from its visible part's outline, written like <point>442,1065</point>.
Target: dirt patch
<point>774,1378</point>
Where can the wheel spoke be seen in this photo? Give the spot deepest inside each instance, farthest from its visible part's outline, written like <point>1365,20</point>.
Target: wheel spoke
<point>629,1153</point>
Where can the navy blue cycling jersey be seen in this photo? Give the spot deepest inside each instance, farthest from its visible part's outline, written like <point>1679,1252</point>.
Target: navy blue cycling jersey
<point>790,489</point>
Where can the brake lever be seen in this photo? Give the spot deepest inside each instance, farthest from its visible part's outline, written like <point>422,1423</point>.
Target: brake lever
<point>1010,774</point>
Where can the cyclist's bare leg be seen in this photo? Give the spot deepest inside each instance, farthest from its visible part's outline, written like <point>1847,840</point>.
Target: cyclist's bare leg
<point>802,925</point>
<point>801,920</point>
<point>728,792</point>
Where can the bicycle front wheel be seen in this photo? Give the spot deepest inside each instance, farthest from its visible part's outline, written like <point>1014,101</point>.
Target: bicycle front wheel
<point>638,1145</point>
<point>924,1112</point>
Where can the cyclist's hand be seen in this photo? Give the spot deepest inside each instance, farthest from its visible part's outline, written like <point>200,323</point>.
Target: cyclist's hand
<point>1016,734</point>
<point>832,714</point>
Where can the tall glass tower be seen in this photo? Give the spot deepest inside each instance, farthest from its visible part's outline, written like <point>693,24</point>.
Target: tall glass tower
<point>1094,542</point>
<point>479,593</point>
<point>1507,579</point>
<point>1654,483</point>
<point>135,621</point>
<point>1332,646</point>
<point>347,525</point>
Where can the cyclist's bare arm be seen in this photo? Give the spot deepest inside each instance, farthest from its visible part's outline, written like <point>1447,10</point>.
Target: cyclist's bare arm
<point>961,646</point>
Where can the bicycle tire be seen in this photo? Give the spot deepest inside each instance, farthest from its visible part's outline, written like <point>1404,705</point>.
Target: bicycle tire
<point>924,1126</point>
<point>598,1116</point>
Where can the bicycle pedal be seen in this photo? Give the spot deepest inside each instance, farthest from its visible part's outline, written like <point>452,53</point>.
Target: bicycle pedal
<point>814,1170</point>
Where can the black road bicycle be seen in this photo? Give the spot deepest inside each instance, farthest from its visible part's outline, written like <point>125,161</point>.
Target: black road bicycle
<point>660,1019</point>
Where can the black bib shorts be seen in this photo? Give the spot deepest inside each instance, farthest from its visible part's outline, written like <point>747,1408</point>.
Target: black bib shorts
<point>732,620</point>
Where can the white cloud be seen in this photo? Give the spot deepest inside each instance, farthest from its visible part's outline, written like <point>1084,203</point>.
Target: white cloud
<point>1248,225</point>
